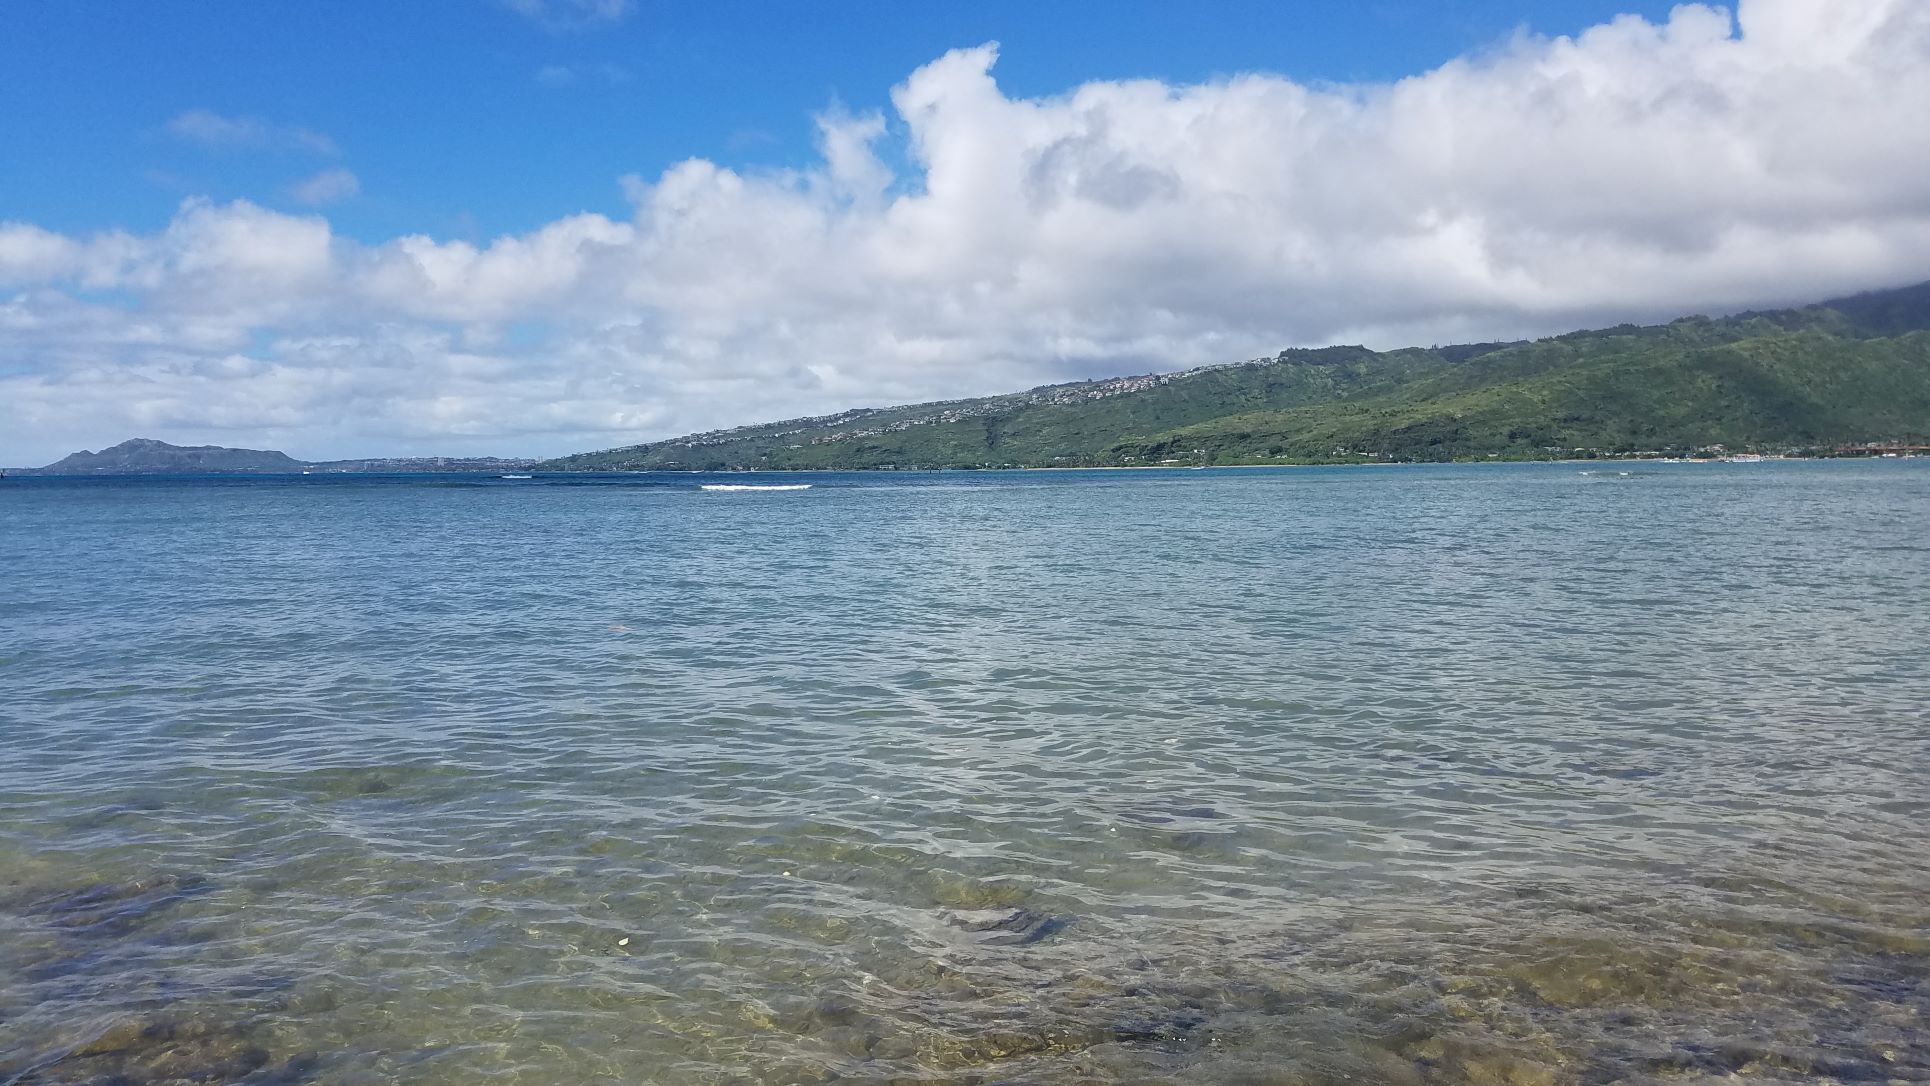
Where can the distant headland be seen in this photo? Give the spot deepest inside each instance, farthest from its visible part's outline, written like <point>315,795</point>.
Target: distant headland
<point>146,456</point>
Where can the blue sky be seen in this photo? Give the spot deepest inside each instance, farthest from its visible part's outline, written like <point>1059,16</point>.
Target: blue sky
<point>467,118</point>
<point>545,226</point>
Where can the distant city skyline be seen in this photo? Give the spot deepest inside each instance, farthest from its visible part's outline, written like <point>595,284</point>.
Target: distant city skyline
<point>534,227</point>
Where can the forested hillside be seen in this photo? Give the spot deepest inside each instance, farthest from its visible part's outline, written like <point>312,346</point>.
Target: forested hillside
<point>1856,369</point>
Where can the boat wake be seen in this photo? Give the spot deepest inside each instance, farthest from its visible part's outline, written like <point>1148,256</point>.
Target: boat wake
<point>751,486</point>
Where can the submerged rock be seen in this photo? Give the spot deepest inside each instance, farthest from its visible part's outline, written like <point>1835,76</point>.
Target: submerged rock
<point>1571,973</point>
<point>142,1050</point>
<point>1165,814</point>
<point>1007,927</point>
<point>113,908</point>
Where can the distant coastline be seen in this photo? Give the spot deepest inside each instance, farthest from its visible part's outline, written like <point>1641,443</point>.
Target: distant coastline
<point>147,456</point>
<point>490,472</point>
<point>1845,378</point>
<point>1849,377</point>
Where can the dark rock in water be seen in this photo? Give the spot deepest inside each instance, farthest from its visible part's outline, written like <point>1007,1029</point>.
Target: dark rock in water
<point>1177,1030</point>
<point>1012,1041</point>
<point>122,1036</point>
<point>115,908</point>
<point>1198,812</point>
<point>1166,815</point>
<point>144,1050</point>
<point>834,1010</point>
<point>1008,927</point>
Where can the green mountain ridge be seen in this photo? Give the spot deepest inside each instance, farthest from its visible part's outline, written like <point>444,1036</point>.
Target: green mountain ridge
<point>1851,370</point>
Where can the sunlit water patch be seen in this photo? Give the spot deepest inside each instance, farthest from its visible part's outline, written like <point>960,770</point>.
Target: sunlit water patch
<point>1450,775</point>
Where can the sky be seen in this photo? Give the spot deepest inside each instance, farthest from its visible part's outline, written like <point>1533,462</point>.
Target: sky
<point>532,227</point>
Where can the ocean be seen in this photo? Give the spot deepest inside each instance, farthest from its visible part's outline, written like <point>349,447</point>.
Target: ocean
<point>1494,774</point>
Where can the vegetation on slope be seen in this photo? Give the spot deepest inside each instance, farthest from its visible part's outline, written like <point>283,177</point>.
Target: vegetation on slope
<point>1853,370</point>
<point>1793,390</point>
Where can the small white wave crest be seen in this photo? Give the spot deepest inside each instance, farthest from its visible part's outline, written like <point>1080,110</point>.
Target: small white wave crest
<point>752,486</point>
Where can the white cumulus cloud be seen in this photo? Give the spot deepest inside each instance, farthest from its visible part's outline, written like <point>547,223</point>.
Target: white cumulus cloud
<point>973,241</point>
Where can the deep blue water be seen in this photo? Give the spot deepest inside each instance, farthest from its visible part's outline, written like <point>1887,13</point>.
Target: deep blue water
<point>1527,774</point>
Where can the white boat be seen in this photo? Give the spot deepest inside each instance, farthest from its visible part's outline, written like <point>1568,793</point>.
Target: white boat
<point>515,476</point>
<point>750,486</point>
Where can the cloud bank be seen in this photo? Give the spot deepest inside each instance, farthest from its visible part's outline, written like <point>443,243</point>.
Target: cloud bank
<point>1638,170</point>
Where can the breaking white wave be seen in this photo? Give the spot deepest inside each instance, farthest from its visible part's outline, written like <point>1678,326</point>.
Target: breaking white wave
<point>750,486</point>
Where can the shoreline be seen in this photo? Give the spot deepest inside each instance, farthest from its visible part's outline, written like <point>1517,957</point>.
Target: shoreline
<point>567,473</point>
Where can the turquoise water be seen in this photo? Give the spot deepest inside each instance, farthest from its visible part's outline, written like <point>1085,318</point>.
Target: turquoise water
<point>1531,775</point>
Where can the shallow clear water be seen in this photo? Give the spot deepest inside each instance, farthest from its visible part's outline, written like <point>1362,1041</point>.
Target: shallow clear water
<point>1488,774</point>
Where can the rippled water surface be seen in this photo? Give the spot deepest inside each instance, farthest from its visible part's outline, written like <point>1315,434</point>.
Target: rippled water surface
<point>1491,775</point>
